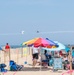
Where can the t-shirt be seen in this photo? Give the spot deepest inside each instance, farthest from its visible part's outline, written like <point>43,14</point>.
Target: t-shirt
<point>43,57</point>
<point>35,50</point>
<point>7,47</point>
<point>65,59</point>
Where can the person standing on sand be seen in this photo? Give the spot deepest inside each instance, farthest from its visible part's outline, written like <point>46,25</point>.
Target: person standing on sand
<point>7,52</point>
<point>35,55</point>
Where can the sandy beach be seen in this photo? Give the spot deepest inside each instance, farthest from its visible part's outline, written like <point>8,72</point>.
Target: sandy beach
<point>16,55</point>
<point>36,37</point>
<point>35,73</point>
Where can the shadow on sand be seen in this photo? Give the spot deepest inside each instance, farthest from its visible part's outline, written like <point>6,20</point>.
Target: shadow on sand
<point>35,69</point>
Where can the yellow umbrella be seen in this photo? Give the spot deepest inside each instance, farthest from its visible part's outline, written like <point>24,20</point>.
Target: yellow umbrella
<point>30,42</point>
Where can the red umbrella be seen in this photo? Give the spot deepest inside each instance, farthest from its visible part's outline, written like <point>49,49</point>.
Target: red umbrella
<point>41,42</point>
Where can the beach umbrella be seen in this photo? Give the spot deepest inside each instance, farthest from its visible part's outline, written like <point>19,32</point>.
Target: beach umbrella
<point>41,42</point>
<point>37,42</point>
<point>51,42</point>
<point>30,42</point>
<point>60,47</point>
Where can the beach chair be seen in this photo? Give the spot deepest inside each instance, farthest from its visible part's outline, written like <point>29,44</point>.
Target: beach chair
<point>14,66</point>
<point>2,68</point>
<point>44,60</point>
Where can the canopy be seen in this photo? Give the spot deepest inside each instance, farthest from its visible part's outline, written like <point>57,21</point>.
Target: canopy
<point>61,47</point>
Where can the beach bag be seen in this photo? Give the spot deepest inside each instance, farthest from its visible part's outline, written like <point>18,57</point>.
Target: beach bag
<point>11,62</point>
<point>13,68</point>
<point>3,70</point>
<point>2,65</point>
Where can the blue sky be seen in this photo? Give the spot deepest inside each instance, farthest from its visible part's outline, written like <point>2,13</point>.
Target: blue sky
<point>52,18</point>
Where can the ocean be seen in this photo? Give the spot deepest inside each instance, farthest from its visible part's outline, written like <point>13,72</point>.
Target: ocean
<point>14,46</point>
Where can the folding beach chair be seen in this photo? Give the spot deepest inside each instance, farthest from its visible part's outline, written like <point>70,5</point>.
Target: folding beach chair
<point>14,66</point>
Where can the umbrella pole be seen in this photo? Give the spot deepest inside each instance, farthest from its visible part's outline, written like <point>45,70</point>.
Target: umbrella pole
<point>40,59</point>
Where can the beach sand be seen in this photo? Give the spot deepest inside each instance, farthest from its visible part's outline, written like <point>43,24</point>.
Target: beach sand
<point>27,69</point>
